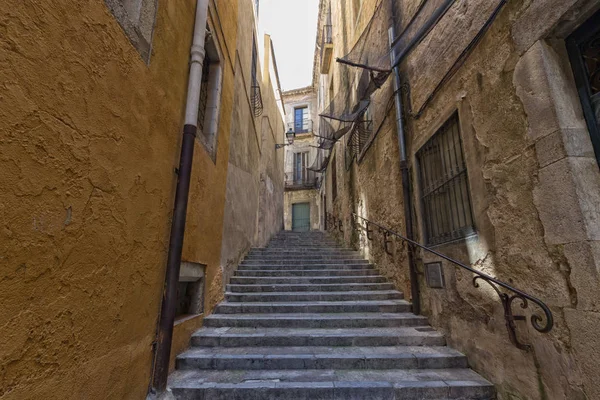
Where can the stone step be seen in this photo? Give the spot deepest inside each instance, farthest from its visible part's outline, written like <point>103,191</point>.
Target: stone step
<point>324,239</point>
<point>240,337</point>
<point>387,306</point>
<point>303,266</point>
<point>301,234</point>
<point>405,384</point>
<point>288,261</point>
<point>265,250</point>
<point>300,252</point>
<point>314,320</point>
<point>304,245</point>
<point>292,232</point>
<point>353,287</point>
<point>308,272</point>
<point>269,280</point>
<point>301,257</point>
<point>308,357</point>
<point>290,239</point>
<point>371,295</point>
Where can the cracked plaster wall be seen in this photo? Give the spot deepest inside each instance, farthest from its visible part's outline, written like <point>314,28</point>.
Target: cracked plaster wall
<point>535,187</point>
<point>89,139</point>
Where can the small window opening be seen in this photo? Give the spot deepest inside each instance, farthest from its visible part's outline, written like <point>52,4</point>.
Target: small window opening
<point>190,290</point>
<point>210,96</point>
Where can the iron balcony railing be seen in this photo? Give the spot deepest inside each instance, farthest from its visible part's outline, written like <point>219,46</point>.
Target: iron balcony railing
<point>506,293</point>
<point>256,99</point>
<point>307,180</point>
<point>301,127</point>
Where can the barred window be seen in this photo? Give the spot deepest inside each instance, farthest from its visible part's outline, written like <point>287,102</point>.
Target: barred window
<point>210,95</point>
<point>584,51</point>
<point>445,197</point>
<point>203,103</point>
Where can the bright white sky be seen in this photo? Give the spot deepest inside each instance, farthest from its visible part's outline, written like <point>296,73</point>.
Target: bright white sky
<point>292,25</point>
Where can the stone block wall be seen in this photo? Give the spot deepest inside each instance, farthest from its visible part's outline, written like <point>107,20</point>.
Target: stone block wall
<point>534,184</point>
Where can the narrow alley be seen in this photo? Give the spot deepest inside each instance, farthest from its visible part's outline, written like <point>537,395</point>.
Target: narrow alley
<point>314,199</point>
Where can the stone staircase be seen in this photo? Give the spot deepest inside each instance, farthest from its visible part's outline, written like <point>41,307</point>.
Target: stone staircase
<point>307,319</point>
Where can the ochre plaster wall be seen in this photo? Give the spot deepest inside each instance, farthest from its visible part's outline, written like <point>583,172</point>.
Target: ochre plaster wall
<point>89,139</point>
<point>534,185</point>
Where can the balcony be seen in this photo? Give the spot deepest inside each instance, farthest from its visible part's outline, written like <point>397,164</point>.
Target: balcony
<point>301,127</point>
<point>308,181</point>
<point>256,99</point>
<point>326,48</point>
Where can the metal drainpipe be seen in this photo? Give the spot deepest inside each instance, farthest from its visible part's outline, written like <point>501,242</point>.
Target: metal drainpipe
<point>414,280</point>
<point>169,300</point>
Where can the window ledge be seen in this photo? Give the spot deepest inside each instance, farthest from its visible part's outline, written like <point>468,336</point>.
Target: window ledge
<point>184,318</point>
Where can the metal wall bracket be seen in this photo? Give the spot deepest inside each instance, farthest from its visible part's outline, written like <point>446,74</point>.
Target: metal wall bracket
<point>386,243</point>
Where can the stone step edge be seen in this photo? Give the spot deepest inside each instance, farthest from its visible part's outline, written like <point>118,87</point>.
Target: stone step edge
<point>402,390</point>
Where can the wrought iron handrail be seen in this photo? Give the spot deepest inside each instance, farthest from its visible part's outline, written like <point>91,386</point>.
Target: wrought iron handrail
<point>507,299</point>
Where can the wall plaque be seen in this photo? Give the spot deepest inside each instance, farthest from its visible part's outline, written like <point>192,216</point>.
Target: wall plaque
<point>434,275</point>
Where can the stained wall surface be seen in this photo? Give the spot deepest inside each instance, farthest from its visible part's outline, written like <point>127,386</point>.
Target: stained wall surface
<point>89,142</point>
<point>534,184</point>
<point>254,196</point>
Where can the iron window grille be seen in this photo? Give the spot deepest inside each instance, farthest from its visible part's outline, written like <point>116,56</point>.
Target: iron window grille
<point>203,104</point>
<point>584,51</point>
<point>257,102</point>
<point>445,197</point>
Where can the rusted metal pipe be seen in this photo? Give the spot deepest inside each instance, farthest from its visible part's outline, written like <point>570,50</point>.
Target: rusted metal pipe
<point>169,298</point>
<point>406,190</point>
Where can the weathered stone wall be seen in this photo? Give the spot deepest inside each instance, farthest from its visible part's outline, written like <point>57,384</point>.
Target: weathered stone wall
<point>254,199</point>
<point>371,187</point>
<point>535,189</point>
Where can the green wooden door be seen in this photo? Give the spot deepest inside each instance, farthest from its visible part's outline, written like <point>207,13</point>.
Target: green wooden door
<point>301,217</point>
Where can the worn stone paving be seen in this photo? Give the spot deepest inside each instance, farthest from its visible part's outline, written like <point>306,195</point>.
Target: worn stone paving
<point>307,319</point>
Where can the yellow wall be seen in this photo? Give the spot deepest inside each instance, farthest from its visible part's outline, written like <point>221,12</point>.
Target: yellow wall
<point>89,139</point>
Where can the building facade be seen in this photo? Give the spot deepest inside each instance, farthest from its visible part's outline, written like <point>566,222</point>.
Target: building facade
<point>302,203</point>
<point>500,122</point>
<point>91,119</point>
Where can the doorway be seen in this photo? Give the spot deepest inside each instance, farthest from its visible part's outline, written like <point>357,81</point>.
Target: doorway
<point>301,217</point>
